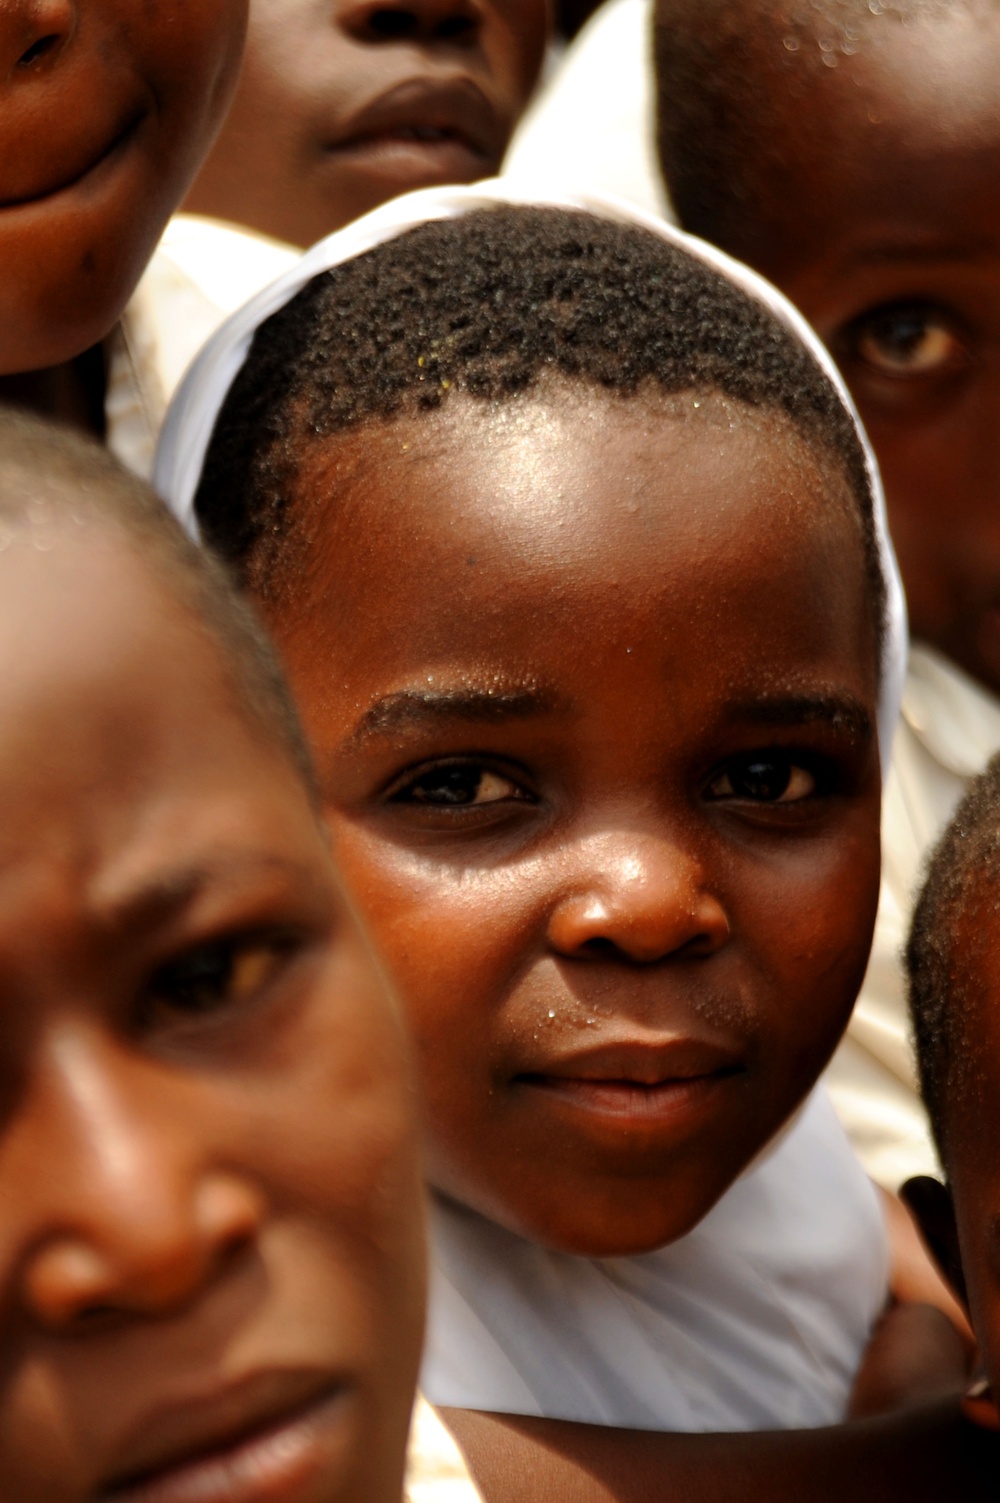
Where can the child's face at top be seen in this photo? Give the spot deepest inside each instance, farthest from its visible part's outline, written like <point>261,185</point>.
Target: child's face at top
<point>594,710</point>
<point>106,108</point>
<point>885,229</point>
<point>210,1262</point>
<point>343,104</point>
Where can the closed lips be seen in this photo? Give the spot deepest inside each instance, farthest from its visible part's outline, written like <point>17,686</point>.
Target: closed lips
<point>200,1448</point>
<point>458,112</point>
<point>29,182</point>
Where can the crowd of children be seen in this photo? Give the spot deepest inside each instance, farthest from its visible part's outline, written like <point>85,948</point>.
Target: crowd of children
<point>465,821</point>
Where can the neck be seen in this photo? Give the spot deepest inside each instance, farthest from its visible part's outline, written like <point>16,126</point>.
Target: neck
<point>72,393</point>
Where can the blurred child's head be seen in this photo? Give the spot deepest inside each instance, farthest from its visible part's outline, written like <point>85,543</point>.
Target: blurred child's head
<point>343,104</point>
<point>106,109</point>
<point>850,151</point>
<point>568,545</point>
<point>953,959</point>
<point>210,1265</point>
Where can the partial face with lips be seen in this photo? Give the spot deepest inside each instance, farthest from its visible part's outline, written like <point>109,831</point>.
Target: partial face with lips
<point>106,110</point>
<point>594,707</point>
<point>343,104</point>
<point>211,1264</point>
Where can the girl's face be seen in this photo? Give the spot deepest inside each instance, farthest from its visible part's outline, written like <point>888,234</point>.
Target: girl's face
<point>210,1254</point>
<point>106,109</point>
<point>593,689</point>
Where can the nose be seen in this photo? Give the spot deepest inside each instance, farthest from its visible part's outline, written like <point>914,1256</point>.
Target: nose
<point>33,33</point>
<point>425,22</point>
<point>637,898</point>
<point>119,1215</point>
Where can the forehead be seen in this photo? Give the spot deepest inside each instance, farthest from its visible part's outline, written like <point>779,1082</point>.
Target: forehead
<point>113,702</point>
<point>897,146</point>
<point>519,533</point>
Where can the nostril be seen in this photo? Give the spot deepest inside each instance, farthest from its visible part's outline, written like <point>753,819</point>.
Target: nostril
<point>391,24</point>
<point>455,29</point>
<point>599,946</point>
<point>37,51</point>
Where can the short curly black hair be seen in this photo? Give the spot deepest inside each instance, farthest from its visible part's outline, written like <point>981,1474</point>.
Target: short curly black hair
<point>961,890</point>
<point>487,304</point>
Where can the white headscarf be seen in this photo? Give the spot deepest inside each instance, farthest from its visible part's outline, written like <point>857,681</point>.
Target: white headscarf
<point>757,1318</point>
<point>190,422</point>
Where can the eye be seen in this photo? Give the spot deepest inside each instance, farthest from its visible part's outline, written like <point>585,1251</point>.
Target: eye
<point>912,339</point>
<point>764,780</point>
<point>222,974</point>
<point>458,785</point>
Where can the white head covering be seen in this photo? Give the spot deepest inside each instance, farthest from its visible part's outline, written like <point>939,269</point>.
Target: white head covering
<point>188,428</point>
<point>757,1318</point>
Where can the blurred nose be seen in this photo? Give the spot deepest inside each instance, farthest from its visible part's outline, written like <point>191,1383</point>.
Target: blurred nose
<point>638,898</point>
<point>119,1215</point>
<point>423,21</point>
<point>33,33</point>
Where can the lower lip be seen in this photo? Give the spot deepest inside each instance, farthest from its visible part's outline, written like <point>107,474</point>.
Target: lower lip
<point>273,1465</point>
<point>106,158</point>
<point>444,159</point>
<point>629,1102</point>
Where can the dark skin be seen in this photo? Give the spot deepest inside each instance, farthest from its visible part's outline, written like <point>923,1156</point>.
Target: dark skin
<point>343,104</point>
<point>961,1220</point>
<point>106,110</point>
<point>210,1252</point>
<point>589,843</point>
<point>651,845</point>
<point>881,222</point>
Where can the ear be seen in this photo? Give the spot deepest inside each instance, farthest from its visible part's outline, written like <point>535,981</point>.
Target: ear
<point>930,1204</point>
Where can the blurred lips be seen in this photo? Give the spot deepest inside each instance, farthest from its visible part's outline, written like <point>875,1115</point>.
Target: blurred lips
<point>453,120</point>
<point>647,1084</point>
<point>28,184</point>
<point>264,1438</point>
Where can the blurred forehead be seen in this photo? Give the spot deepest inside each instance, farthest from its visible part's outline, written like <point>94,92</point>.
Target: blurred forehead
<point>113,699</point>
<point>895,128</point>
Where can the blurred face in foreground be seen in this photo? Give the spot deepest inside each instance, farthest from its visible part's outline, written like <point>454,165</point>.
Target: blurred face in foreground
<point>210,1239</point>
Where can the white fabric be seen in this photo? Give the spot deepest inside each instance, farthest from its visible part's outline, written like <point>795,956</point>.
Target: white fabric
<point>188,427</point>
<point>199,274</point>
<point>759,1316</point>
<point>755,1320</point>
<point>592,125</point>
<point>948,731</point>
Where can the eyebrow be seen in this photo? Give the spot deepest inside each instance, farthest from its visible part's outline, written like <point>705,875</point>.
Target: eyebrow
<point>923,255</point>
<point>841,711</point>
<point>429,709</point>
<point>155,901</point>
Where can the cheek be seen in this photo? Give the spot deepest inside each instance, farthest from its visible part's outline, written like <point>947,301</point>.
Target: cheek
<point>442,929</point>
<point>192,58</point>
<point>809,922</point>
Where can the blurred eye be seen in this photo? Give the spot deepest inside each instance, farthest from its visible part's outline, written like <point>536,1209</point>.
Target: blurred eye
<point>213,976</point>
<point>909,340</point>
<point>764,780</point>
<point>458,784</point>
